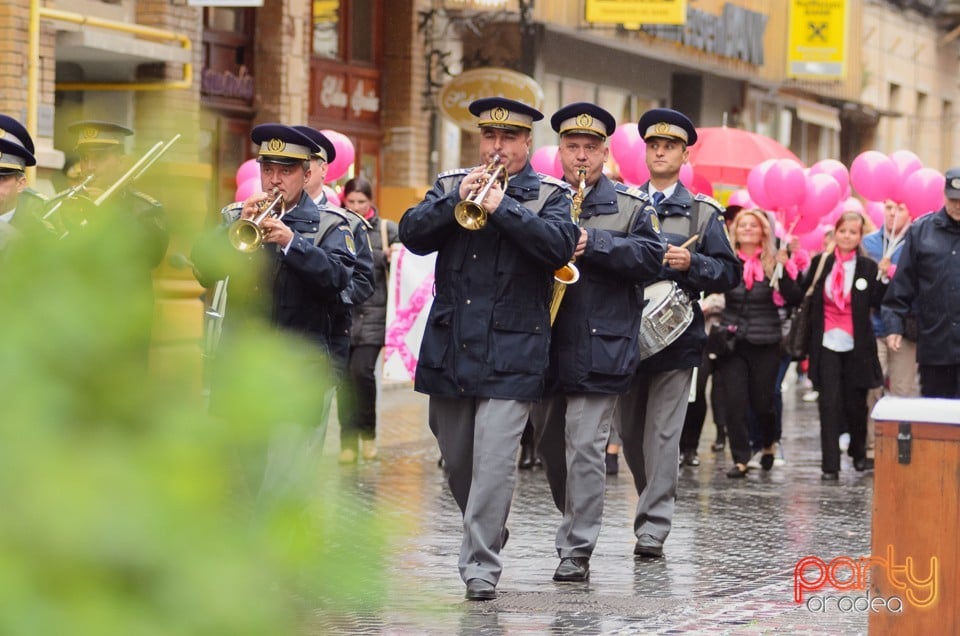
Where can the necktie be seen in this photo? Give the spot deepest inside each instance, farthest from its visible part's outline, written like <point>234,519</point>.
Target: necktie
<point>658,198</point>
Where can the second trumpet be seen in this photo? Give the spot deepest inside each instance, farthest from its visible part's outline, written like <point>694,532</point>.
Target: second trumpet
<point>470,213</point>
<point>246,235</point>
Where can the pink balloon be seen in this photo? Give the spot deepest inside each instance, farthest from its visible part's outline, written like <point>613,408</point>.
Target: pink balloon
<point>546,159</point>
<point>332,196</point>
<point>836,170</point>
<point>755,184</point>
<point>907,163</point>
<point>247,188</point>
<point>875,212</point>
<point>873,175</point>
<point>853,204</point>
<point>635,172</point>
<point>741,198</point>
<point>923,192</point>
<point>686,174</point>
<point>785,183</point>
<point>248,170</point>
<point>805,223</point>
<point>812,241</point>
<point>345,155</point>
<point>822,195</point>
<point>626,146</point>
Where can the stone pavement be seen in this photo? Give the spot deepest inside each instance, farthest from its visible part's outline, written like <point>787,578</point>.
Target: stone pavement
<point>728,565</point>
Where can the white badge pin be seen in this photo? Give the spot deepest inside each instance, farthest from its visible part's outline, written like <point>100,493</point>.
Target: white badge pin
<point>861,283</point>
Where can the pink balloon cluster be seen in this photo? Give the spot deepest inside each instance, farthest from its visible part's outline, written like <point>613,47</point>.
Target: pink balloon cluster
<point>799,197</point>
<point>900,177</point>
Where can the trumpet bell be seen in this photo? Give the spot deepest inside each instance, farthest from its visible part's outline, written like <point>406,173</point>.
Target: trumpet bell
<point>470,215</point>
<point>245,235</point>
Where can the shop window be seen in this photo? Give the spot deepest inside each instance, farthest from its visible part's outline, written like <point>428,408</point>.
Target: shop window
<point>347,31</point>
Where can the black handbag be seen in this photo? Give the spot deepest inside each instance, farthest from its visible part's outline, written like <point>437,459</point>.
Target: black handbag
<point>721,341</point>
<point>796,343</point>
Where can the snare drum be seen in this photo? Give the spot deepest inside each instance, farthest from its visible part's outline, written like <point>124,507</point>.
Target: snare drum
<point>667,312</point>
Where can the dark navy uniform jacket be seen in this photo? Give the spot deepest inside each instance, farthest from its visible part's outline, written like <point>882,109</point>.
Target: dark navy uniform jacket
<point>714,268</point>
<point>293,291</point>
<point>594,342</point>
<point>928,276</point>
<point>488,333</point>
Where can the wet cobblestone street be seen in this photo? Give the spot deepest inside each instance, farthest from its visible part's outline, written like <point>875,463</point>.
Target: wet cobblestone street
<point>729,560</point>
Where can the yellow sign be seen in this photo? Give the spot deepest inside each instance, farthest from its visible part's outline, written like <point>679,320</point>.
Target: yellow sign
<point>637,11</point>
<point>325,10</point>
<point>456,95</point>
<point>817,43</point>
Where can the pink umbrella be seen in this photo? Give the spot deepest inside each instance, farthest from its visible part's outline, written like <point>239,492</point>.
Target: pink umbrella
<point>726,155</point>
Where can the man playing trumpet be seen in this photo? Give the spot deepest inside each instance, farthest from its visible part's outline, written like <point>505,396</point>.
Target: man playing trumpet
<point>593,349</point>
<point>485,347</point>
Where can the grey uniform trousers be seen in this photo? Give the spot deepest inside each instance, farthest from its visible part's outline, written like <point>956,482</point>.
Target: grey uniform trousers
<point>572,432</point>
<point>479,439</point>
<point>652,413</point>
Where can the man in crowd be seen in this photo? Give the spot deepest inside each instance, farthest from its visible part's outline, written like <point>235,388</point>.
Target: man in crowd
<point>485,346</point>
<point>653,408</point>
<point>926,279</point>
<point>20,207</point>
<point>594,349</point>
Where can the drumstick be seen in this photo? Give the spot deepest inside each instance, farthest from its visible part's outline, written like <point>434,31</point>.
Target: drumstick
<point>685,245</point>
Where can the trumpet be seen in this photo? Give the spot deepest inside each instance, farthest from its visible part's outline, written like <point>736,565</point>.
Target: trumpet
<point>569,273</point>
<point>246,235</point>
<point>469,213</point>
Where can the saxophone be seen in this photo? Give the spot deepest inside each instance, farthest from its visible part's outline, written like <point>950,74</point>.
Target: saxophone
<point>568,274</point>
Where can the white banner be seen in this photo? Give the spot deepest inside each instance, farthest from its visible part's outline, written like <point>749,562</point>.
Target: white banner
<point>409,298</point>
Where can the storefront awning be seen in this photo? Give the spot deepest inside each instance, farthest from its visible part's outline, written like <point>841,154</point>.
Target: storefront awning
<point>818,114</point>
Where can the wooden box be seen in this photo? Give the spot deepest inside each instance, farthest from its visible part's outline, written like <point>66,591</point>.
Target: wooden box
<point>915,546</point>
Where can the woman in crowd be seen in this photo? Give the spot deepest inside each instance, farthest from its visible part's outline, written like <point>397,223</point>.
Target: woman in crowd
<point>843,350</point>
<point>357,398</point>
<point>751,367</point>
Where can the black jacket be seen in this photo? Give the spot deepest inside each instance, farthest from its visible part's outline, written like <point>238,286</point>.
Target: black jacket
<point>488,332</point>
<point>594,341</point>
<point>714,268</point>
<point>293,291</point>
<point>370,317</point>
<point>865,293</point>
<point>928,278</point>
<point>753,311</point>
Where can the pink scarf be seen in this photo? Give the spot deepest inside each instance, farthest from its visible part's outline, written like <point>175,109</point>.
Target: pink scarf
<point>752,269</point>
<point>836,279</point>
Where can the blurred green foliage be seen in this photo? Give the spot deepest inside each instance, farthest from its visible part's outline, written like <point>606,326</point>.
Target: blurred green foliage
<point>127,508</point>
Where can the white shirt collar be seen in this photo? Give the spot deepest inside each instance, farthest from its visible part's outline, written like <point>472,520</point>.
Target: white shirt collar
<point>667,193</point>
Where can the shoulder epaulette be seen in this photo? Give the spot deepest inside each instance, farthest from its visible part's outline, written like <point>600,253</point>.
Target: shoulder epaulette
<point>353,217</point>
<point>453,173</point>
<point>545,178</point>
<point>633,191</point>
<point>149,199</point>
<point>710,201</point>
<point>231,211</point>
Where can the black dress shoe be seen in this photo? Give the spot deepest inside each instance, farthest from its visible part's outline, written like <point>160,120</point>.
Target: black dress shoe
<point>766,461</point>
<point>689,458</point>
<point>718,446</point>
<point>862,464</point>
<point>648,547</point>
<point>739,471</point>
<point>573,569</point>
<point>527,457</point>
<point>831,476</point>
<point>480,590</point>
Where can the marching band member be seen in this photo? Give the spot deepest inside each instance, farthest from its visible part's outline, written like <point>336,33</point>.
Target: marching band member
<point>486,343</point>
<point>20,207</point>
<point>653,408</point>
<point>291,278</point>
<point>593,348</point>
